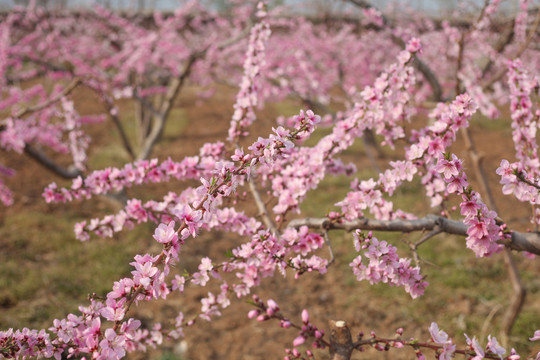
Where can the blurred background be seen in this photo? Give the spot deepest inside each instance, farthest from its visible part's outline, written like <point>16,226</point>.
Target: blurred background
<point>434,7</point>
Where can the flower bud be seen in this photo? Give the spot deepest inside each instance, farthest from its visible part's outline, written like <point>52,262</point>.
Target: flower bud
<point>285,324</point>
<point>273,305</point>
<point>305,316</point>
<point>299,341</point>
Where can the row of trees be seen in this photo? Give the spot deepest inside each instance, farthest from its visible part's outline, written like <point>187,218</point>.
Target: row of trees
<point>382,73</point>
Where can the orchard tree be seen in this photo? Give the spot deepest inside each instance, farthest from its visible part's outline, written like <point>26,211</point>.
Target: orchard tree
<point>116,58</point>
<point>382,74</point>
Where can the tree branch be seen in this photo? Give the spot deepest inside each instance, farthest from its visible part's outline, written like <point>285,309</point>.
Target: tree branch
<point>341,345</point>
<point>520,51</point>
<point>48,163</point>
<point>519,241</point>
<point>159,119</point>
<point>116,120</point>
<point>261,206</point>
<point>69,88</point>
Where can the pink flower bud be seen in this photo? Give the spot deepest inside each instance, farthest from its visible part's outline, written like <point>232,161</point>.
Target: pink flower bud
<point>253,313</point>
<point>305,316</point>
<point>273,305</point>
<point>299,341</point>
<point>285,324</point>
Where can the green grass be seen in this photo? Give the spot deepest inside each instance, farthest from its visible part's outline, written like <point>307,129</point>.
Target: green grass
<point>112,154</point>
<point>501,123</point>
<point>43,264</point>
<point>175,125</point>
<point>287,107</point>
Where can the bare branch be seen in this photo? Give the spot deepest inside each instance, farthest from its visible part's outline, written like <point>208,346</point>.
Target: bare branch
<point>112,114</point>
<point>262,207</point>
<point>159,119</point>
<point>519,241</point>
<point>522,178</point>
<point>329,244</point>
<point>44,160</point>
<point>426,237</point>
<point>37,154</point>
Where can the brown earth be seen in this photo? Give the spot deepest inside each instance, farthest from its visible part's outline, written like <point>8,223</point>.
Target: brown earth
<point>334,296</point>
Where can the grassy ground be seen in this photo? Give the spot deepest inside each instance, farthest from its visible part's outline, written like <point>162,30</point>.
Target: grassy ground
<point>45,273</point>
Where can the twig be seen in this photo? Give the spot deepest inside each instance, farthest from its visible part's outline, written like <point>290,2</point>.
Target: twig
<point>69,88</point>
<point>426,237</point>
<point>414,246</point>
<point>329,244</point>
<point>488,319</point>
<point>123,136</point>
<point>522,178</point>
<point>263,212</point>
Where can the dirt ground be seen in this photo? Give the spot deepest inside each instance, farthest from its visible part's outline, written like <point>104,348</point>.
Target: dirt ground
<point>334,296</point>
